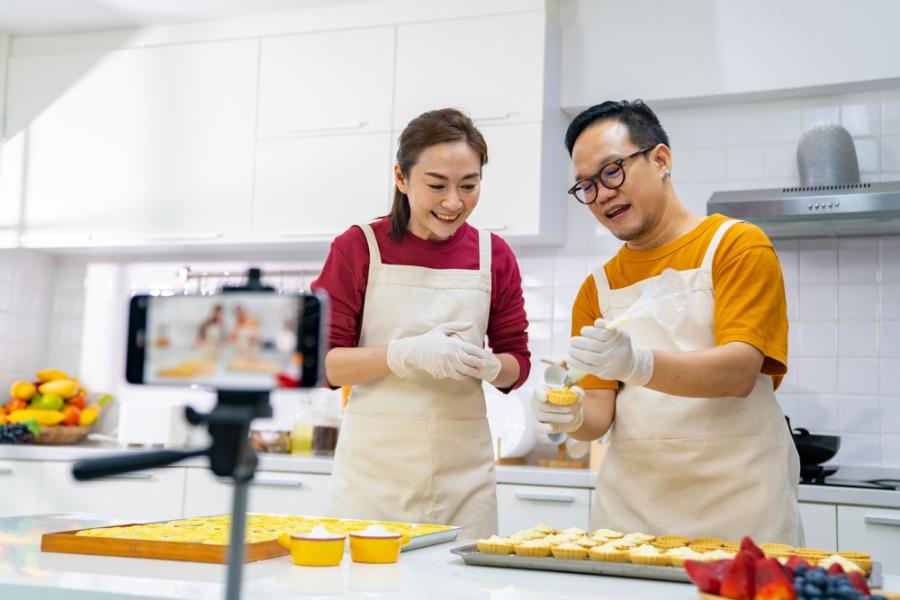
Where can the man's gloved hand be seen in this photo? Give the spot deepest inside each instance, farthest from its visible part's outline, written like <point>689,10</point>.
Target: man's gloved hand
<point>437,352</point>
<point>610,354</point>
<point>553,418</point>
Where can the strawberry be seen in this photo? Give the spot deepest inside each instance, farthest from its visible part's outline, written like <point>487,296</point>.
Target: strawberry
<point>835,569</point>
<point>771,583</point>
<point>747,545</point>
<point>859,582</point>
<point>795,561</point>
<point>740,577</point>
<point>707,576</point>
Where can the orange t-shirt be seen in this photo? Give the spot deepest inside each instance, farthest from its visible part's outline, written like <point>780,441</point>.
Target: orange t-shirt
<point>750,304</point>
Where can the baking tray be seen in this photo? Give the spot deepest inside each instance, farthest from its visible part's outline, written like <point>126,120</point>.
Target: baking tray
<point>430,539</point>
<point>472,556</point>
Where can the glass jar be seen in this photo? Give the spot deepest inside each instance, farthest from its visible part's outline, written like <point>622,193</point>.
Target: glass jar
<point>326,423</point>
<point>302,433</point>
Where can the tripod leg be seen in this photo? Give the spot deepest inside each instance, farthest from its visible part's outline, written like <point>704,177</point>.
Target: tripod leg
<point>236,547</point>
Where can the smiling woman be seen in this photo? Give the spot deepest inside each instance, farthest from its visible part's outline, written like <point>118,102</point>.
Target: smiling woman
<point>413,296</point>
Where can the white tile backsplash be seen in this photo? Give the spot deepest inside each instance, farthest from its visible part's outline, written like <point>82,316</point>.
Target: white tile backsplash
<point>859,414</point>
<point>890,415</point>
<point>858,302</point>
<point>858,376</point>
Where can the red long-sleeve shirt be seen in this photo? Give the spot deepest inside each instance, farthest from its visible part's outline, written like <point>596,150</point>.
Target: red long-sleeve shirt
<point>346,272</point>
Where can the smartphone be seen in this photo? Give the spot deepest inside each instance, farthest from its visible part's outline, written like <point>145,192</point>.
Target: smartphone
<point>234,341</point>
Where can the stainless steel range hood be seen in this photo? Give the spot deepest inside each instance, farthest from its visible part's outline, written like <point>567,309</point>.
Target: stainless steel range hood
<point>829,210</point>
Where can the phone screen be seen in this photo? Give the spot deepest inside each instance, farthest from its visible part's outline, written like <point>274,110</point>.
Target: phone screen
<point>230,341</point>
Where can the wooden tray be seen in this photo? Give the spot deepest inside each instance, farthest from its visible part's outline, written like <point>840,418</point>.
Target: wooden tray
<point>69,542</point>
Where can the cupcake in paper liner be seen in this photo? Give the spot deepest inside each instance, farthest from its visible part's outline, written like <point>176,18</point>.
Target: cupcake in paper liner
<point>569,551</point>
<point>495,545</point>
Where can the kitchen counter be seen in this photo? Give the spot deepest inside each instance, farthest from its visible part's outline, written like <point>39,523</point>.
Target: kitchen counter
<point>575,478</point>
<point>26,572</point>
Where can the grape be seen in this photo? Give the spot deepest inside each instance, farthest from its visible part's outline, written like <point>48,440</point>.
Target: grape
<point>15,433</point>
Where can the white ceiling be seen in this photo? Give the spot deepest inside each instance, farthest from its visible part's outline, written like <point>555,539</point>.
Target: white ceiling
<point>23,17</point>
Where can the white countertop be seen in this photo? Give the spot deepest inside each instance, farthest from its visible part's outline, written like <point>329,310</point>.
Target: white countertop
<point>26,572</point>
<point>576,478</point>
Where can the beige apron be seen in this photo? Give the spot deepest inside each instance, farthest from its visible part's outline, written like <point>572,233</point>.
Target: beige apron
<point>724,467</point>
<point>418,449</point>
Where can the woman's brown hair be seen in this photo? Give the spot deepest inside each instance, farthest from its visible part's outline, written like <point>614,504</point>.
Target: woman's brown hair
<point>429,129</point>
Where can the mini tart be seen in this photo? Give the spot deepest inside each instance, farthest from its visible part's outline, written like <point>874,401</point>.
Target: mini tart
<point>533,548</point>
<point>836,559</point>
<point>607,553</point>
<point>677,556</point>
<point>544,528</point>
<point>704,547</point>
<point>639,538</point>
<point>648,555</point>
<point>574,532</point>
<point>569,551</point>
<point>562,397</point>
<point>586,542</point>
<point>495,545</point>
<point>559,538</point>
<point>776,547</point>
<point>680,540</point>
<point>862,559</point>
<point>731,545</point>
<point>608,534</point>
<point>706,541</point>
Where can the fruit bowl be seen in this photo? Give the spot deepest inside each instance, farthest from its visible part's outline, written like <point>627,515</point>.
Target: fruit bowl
<point>61,434</point>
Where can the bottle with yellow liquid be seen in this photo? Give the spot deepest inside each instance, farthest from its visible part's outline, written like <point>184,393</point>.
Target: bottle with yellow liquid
<point>302,434</point>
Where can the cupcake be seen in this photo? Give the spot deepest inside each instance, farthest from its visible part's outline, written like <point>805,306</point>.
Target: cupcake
<point>533,548</point>
<point>608,553</point>
<point>495,545</point>
<point>562,396</point>
<point>569,551</point>
<point>648,555</point>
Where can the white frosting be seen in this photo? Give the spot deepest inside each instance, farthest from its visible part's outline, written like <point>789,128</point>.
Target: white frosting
<point>375,531</point>
<point>319,533</point>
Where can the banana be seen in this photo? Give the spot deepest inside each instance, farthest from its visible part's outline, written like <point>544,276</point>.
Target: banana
<point>43,417</point>
<point>51,375</point>
<point>23,390</point>
<point>64,387</point>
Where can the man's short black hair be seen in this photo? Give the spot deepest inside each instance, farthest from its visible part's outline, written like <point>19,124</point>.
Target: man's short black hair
<point>643,126</point>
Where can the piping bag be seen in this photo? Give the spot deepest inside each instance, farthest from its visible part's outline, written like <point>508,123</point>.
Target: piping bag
<point>664,300</point>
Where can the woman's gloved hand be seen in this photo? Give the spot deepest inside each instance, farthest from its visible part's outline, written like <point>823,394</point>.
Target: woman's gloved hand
<point>610,354</point>
<point>553,418</point>
<point>491,368</point>
<point>437,352</point>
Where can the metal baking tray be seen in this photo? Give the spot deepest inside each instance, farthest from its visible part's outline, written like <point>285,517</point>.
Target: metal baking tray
<point>430,539</point>
<point>472,556</point>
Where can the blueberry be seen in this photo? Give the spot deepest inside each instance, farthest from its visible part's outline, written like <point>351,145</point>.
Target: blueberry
<point>812,591</point>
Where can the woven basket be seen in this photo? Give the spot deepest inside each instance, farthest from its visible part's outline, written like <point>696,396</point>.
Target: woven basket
<point>61,434</point>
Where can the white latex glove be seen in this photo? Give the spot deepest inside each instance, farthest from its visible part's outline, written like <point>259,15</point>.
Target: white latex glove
<point>437,352</point>
<point>491,368</point>
<point>610,354</point>
<point>553,418</point>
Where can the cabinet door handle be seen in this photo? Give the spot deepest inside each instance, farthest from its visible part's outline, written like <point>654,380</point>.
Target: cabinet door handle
<point>6,471</point>
<point>265,482</point>
<point>889,521</point>
<point>132,476</point>
<point>188,237</point>
<point>543,498</point>
<point>324,128</point>
<point>310,234</point>
<point>494,117</point>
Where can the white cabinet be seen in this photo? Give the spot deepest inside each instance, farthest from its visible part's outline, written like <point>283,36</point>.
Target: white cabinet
<point>819,525</point>
<point>872,530</point>
<point>492,67</point>
<point>271,492</point>
<point>315,187</point>
<point>136,146</point>
<point>20,487</point>
<point>337,81</point>
<point>521,506</point>
<point>142,496</point>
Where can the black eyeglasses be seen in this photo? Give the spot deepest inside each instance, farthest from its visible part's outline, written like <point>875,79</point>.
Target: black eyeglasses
<point>611,176</point>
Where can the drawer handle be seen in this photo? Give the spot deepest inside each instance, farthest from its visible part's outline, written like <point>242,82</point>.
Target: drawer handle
<point>496,117</point>
<point>323,128</point>
<point>889,521</point>
<point>188,237</point>
<point>281,483</point>
<point>544,498</point>
<point>6,471</point>
<point>132,476</point>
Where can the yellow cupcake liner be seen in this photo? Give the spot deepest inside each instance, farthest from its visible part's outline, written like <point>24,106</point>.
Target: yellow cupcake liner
<point>661,560</point>
<point>569,554</point>
<point>493,548</point>
<point>607,556</point>
<point>562,397</point>
<point>533,551</point>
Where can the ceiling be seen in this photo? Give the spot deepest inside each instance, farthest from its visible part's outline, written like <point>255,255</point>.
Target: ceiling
<point>28,17</point>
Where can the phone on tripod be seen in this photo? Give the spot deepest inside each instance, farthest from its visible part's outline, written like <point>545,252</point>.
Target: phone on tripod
<point>238,340</point>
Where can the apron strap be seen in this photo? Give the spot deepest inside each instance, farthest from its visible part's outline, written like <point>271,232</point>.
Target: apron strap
<point>374,253</point>
<point>601,281</point>
<point>707,263</point>
<point>484,252</point>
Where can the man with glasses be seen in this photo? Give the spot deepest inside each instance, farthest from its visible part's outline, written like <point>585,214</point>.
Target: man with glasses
<point>698,444</point>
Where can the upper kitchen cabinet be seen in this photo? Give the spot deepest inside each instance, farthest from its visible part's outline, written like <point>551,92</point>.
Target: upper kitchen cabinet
<point>135,146</point>
<point>333,82</point>
<point>503,71</point>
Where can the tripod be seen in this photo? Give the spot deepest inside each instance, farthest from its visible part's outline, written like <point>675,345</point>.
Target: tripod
<point>230,455</point>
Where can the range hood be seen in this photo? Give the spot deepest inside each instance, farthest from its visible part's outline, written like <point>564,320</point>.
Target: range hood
<point>815,211</point>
